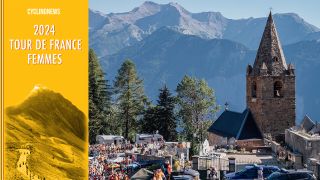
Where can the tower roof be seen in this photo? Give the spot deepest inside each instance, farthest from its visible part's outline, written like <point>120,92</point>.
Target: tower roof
<point>270,51</point>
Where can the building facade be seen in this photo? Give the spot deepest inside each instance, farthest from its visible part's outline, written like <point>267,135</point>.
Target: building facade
<point>303,140</point>
<point>270,85</point>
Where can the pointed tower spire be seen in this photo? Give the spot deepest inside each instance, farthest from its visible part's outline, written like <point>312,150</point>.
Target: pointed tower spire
<point>270,51</point>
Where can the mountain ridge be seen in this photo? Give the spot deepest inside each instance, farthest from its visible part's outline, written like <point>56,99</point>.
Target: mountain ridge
<point>117,30</point>
<point>167,55</point>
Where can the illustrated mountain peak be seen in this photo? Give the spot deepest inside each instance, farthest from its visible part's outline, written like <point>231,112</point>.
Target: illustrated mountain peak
<point>51,109</point>
<point>53,127</point>
<point>38,88</point>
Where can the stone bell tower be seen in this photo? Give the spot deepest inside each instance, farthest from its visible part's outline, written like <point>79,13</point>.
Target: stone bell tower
<point>271,85</point>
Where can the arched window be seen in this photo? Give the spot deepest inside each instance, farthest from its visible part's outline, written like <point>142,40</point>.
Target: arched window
<point>275,59</point>
<point>254,90</point>
<point>277,89</point>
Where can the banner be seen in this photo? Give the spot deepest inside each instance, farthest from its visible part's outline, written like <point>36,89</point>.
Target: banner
<point>45,89</point>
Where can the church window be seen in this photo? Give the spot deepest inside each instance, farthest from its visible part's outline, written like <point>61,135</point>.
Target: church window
<point>254,90</point>
<point>277,89</point>
<point>275,59</point>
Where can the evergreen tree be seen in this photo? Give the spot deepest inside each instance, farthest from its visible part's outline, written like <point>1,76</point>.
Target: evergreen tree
<point>197,106</point>
<point>166,116</point>
<point>130,98</point>
<point>150,123</point>
<point>162,116</point>
<point>99,99</point>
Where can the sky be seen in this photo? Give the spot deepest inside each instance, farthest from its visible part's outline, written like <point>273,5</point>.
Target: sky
<point>234,9</point>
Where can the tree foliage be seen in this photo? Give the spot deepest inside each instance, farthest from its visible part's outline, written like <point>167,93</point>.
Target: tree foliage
<point>99,99</point>
<point>130,98</point>
<point>197,106</point>
<point>162,116</point>
<point>150,123</point>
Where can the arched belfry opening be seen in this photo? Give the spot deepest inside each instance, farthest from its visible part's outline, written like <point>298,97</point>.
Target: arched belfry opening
<point>277,89</point>
<point>254,89</point>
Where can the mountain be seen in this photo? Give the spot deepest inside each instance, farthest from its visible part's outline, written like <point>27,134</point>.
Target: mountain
<point>109,33</point>
<point>291,28</point>
<point>313,36</point>
<point>167,55</point>
<point>306,57</point>
<point>53,130</point>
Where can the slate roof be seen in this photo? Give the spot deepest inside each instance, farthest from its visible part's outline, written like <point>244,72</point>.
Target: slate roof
<point>307,124</point>
<point>241,126</point>
<point>315,129</point>
<point>270,51</point>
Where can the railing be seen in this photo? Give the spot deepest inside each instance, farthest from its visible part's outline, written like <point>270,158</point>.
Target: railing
<point>220,164</point>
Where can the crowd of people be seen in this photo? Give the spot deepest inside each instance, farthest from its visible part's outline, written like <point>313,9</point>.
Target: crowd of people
<point>104,149</point>
<point>119,162</point>
<point>109,161</point>
<point>160,175</point>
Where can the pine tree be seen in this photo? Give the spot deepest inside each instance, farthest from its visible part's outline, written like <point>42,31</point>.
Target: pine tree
<point>197,106</point>
<point>150,123</point>
<point>130,98</point>
<point>161,117</point>
<point>99,99</point>
<point>166,116</point>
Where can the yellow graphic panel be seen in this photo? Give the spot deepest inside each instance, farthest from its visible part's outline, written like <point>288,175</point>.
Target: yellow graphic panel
<point>45,92</point>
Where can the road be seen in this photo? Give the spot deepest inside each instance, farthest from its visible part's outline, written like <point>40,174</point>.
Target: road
<point>22,166</point>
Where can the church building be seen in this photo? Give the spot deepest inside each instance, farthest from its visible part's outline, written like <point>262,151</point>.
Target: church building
<point>270,91</point>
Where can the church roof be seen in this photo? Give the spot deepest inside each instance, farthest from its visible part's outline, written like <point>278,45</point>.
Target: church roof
<point>238,125</point>
<point>270,51</point>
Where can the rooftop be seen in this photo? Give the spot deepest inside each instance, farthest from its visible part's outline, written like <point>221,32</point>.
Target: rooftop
<point>270,55</point>
<point>237,125</point>
<point>305,135</point>
<point>308,129</point>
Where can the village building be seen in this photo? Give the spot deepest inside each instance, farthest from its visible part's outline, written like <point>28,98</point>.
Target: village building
<point>270,97</point>
<point>303,143</point>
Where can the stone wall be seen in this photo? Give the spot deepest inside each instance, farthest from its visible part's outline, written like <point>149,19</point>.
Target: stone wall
<point>272,114</point>
<point>217,140</point>
<point>308,147</point>
<point>250,144</point>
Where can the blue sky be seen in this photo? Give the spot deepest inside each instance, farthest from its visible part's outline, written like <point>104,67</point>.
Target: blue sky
<point>234,9</point>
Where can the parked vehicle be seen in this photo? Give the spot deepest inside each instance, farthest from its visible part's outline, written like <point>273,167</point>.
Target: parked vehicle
<point>110,139</point>
<point>148,138</point>
<point>251,172</point>
<point>148,163</point>
<point>119,158</point>
<point>292,175</point>
<point>185,175</point>
<point>182,177</point>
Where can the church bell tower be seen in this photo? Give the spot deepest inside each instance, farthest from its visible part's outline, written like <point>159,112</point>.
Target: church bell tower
<point>270,85</point>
